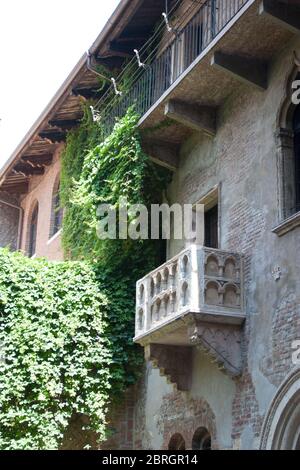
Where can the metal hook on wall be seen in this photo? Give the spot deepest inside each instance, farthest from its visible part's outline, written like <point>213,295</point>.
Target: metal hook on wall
<point>141,64</point>
<point>95,114</point>
<point>117,92</point>
<point>169,28</point>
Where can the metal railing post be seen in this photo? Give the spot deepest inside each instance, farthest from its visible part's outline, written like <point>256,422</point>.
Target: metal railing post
<point>213,17</point>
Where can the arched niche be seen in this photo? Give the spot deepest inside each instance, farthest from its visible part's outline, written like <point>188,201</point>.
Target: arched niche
<point>176,442</point>
<point>201,439</point>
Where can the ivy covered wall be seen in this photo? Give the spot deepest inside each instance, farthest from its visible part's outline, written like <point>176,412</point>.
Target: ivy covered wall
<point>66,329</point>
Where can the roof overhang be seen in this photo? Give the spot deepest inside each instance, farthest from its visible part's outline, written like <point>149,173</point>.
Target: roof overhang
<point>64,111</point>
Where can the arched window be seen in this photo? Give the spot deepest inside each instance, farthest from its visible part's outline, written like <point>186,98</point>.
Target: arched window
<point>56,210</point>
<point>296,129</point>
<point>288,166</point>
<point>201,439</point>
<point>281,427</point>
<point>33,222</point>
<point>176,442</point>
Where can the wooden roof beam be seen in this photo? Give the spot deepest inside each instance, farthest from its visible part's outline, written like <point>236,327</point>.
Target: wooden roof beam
<point>45,159</point>
<point>54,137</point>
<point>64,125</point>
<point>121,50</point>
<point>15,188</point>
<point>86,93</point>
<point>27,170</point>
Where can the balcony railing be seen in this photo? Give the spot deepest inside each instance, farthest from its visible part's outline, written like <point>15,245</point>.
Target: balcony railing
<point>167,67</point>
<point>202,281</point>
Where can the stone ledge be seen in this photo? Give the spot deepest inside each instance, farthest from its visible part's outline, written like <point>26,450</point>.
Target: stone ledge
<point>287,225</point>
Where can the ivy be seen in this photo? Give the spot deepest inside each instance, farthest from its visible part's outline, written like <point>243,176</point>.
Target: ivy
<point>115,167</point>
<point>66,328</point>
<point>52,337</point>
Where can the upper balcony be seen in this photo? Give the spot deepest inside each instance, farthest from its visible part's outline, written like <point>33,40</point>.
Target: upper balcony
<point>198,64</point>
<point>196,298</point>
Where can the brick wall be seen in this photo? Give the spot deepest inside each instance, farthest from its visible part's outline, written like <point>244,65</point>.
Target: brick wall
<point>41,192</point>
<point>182,414</point>
<point>121,424</point>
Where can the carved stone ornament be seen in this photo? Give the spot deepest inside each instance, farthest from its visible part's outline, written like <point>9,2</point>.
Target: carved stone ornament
<point>221,342</point>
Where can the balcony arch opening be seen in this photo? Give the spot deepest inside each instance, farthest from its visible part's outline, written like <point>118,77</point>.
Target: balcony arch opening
<point>230,296</point>
<point>212,293</point>
<point>176,442</point>
<point>152,288</point>
<point>158,283</point>
<point>141,293</point>
<point>230,268</point>
<point>185,262</point>
<point>185,294</point>
<point>212,266</point>
<point>141,319</point>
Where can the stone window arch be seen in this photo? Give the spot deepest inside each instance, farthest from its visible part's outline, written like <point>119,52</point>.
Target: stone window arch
<point>296,131</point>
<point>56,209</point>
<point>201,439</point>
<point>288,149</point>
<point>32,229</point>
<point>281,428</point>
<point>176,442</point>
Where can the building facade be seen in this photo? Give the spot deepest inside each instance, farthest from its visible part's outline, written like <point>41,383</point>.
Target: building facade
<point>220,324</point>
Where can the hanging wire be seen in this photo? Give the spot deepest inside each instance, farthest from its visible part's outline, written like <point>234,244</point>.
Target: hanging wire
<point>147,44</point>
<point>114,101</point>
<point>108,101</point>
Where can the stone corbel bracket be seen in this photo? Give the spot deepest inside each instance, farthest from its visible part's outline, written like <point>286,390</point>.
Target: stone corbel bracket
<point>221,342</point>
<point>174,362</point>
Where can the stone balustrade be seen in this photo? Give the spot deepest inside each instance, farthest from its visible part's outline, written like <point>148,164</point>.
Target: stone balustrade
<point>202,281</point>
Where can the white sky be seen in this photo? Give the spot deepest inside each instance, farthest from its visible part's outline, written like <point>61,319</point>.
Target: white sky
<point>40,43</point>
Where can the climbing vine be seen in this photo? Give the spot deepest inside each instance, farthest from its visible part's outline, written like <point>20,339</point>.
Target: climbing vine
<point>112,168</point>
<point>66,328</point>
<point>55,357</point>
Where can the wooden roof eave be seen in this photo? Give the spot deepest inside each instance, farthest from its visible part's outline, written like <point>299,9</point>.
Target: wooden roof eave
<point>115,22</point>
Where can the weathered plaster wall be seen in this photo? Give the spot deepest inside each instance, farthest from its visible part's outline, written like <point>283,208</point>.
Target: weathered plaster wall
<point>242,160</point>
<point>41,190</point>
<point>9,220</point>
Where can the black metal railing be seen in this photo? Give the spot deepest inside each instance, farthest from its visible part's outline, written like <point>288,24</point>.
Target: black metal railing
<point>157,76</point>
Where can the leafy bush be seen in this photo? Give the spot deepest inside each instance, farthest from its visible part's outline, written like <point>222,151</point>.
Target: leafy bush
<point>66,329</point>
<point>55,358</point>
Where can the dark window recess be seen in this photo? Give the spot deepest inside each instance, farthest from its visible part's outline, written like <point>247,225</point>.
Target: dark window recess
<point>33,231</point>
<point>176,442</point>
<point>296,126</point>
<point>58,213</point>
<point>211,227</point>
<point>201,440</point>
